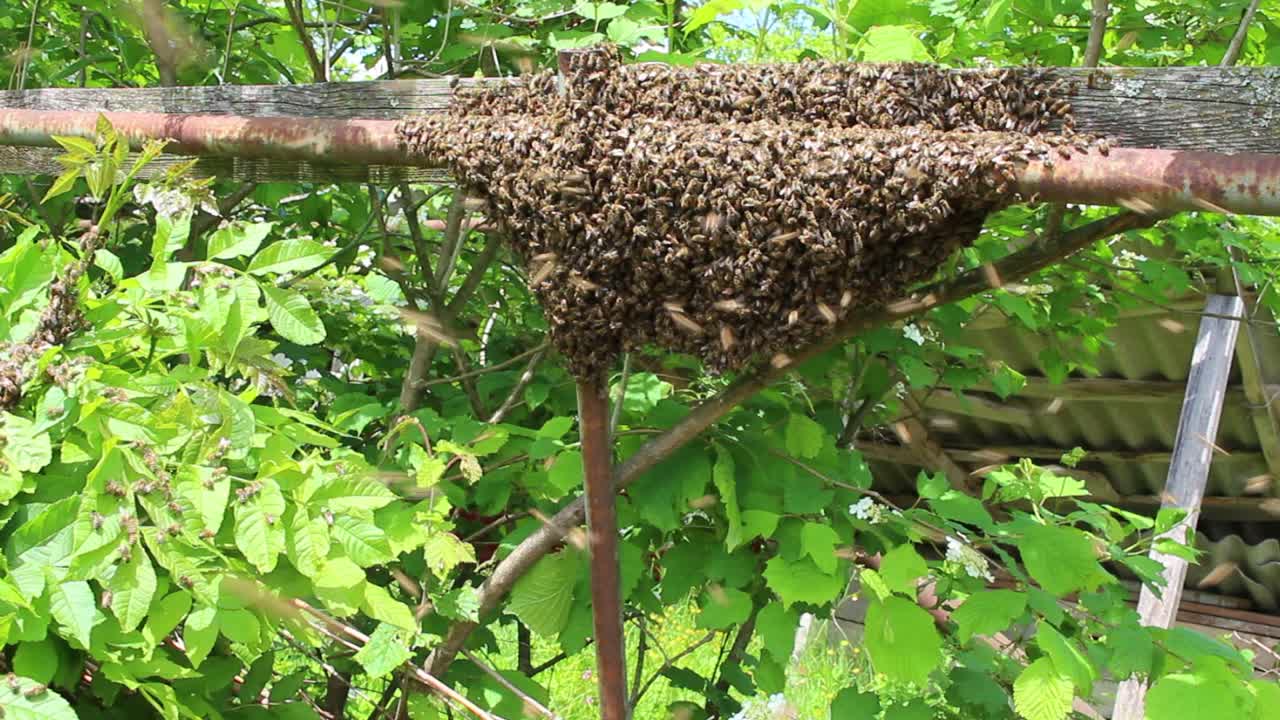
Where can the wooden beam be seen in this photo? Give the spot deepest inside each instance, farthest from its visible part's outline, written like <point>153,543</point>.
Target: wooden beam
<point>988,317</point>
<point>913,434</point>
<point>1189,470</point>
<point>1222,509</point>
<point>1264,407</point>
<point>1230,110</point>
<point>1114,390</point>
<point>991,454</point>
<point>1008,413</point>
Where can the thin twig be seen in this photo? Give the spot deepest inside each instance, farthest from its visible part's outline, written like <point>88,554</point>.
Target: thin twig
<point>622,395</point>
<point>485,370</point>
<point>528,699</point>
<point>672,661</point>
<point>517,390</point>
<point>1242,34</point>
<point>294,7</point>
<point>1097,29</point>
<point>467,379</point>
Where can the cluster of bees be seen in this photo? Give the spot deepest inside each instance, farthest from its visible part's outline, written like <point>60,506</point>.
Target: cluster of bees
<point>736,212</point>
<point>59,319</point>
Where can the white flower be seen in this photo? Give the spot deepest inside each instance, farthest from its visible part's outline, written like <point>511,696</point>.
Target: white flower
<point>311,375</point>
<point>869,510</point>
<point>282,360</point>
<point>912,333</point>
<point>974,563</point>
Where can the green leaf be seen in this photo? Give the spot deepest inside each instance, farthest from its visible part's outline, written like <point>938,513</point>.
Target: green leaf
<point>819,541</point>
<point>1060,559</point>
<point>566,473</point>
<point>902,641</point>
<point>542,598</point>
<point>199,633</point>
<point>711,11</point>
<point>801,581</point>
<point>902,567</point>
<point>62,184</point>
<point>804,437</point>
<point>1132,650</point>
<point>132,587</point>
<point>722,474</point>
<point>291,316</point>
<point>364,542</point>
<point>259,530</point>
<point>459,604</point>
<point>27,448</point>
<point>29,700</point>
<point>72,604</point>
<point>240,626</point>
<point>307,542</point>
<point>207,493</point>
<point>1040,693</point>
<point>723,608</point>
<point>237,239</point>
<point>167,613</point>
<point>758,523</point>
<point>445,551</point>
<point>987,612</point>
<point>1067,659</point>
<point>36,660</point>
<point>386,650</point>
<point>893,43</point>
<point>853,704</point>
<point>1212,692</point>
<point>379,604</point>
<point>290,256</point>
<point>777,629</point>
<point>351,492</point>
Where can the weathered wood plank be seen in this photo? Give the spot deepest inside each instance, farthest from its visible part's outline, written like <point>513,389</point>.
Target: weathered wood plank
<point>1225,110</point>
<point>1188,469</point>
<point>1113,390</point>
<point>991,454</point>
<point>1264,409</point>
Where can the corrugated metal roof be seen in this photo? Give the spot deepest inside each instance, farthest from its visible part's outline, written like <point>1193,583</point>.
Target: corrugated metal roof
<point>1143,348</point>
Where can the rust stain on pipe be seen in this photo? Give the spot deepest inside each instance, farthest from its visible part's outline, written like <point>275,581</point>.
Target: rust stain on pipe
<point>316,140</point>
<point>1161,180</point>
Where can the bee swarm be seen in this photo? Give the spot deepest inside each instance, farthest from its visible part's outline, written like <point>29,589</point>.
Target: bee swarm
<point>735,212</point>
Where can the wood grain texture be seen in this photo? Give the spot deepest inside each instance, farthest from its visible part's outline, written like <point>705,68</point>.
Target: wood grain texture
<point>1188,469</point>
<point>1225,110</point>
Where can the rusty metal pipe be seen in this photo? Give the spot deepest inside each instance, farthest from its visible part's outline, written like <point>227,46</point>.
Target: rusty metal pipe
<point>1143,179</point>
<point>602,538</point>
<point>1160,181</point>
<point>316,140</point>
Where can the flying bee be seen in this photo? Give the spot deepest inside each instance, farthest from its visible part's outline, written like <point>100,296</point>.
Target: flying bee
<point>827,313</point>
<point>727,340</point>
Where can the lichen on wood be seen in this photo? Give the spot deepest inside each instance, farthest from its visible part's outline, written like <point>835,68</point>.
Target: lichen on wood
<point>734,212</point>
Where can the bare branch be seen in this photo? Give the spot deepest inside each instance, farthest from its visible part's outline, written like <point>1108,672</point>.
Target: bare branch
<point>672,661</point>
<point>528,700</point>
<point>1242,34</point>
<point>1097,29</point>
<point>300,27</point>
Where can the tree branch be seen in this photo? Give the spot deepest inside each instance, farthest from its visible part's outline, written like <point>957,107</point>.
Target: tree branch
<point>541,542</point>
<point>1097,29</point>
<point>1242,34</point>
<point>318,72</point>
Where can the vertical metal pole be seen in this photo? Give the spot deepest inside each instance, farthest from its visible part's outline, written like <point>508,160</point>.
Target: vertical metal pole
<point>1188,469</point>
<point>602,534</point>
